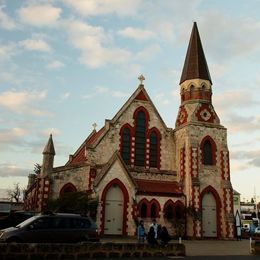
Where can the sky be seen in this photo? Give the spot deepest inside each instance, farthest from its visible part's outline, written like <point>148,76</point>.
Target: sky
<point>67,64</point>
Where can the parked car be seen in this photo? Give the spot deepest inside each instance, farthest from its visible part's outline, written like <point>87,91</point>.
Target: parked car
<point>14,218</point>
<point>257,230</point>
<point>52,228</point>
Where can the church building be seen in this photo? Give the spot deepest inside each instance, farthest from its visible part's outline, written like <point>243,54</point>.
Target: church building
<point>138,168</point>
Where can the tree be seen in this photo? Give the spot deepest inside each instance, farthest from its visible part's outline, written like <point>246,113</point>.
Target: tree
<point>74,202</point>
<point>37,168</point>
<point>15,193</point>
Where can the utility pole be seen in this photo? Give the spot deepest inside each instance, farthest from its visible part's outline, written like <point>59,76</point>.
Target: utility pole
<point>256,210</point>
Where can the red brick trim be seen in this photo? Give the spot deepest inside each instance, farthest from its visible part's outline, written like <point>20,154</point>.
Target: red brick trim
<point>158,207</point>
<point>91,178</point>
<point>182,163</point>
<point>214,149</point>
<point>210,189</point>
<point>159,137</point>
<point>182,116</point>
<point>103,200</point>
<point>209,109</point>
<point>148,207</point>
<point>147,119</point>
<point>141,96</point>
<point>222,165</point>
<point>141,108</point>
<point>141,202</point>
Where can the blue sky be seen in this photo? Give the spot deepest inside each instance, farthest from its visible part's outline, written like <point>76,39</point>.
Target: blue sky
<point>66,64</point>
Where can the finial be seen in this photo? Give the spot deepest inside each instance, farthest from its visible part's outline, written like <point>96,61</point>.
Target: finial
<point>141,78</point>
<point>94,126</point>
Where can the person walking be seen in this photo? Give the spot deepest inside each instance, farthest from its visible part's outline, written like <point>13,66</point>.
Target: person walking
<point>155,227</point>
<point>165,237</point>
<point>151,237</point>
<point>141,232</point>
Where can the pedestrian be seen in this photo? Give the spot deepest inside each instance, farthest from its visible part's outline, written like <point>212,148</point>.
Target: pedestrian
<point>141,232</point>
<point>165,237</point>
<point>155,227</point>
<point>159,230</point>
<point>151,237</point>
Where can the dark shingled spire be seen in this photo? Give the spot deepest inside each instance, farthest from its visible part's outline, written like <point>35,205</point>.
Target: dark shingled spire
<point>49,148</point>
<point>195,65</point>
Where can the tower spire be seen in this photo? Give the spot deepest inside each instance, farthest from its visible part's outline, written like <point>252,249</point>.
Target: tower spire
<point>195,65</point>
<point>49,147</point>
<point>48,157</point>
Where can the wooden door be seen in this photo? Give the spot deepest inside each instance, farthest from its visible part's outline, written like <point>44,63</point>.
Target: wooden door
<point>114,205</point>
<point>209,216</point>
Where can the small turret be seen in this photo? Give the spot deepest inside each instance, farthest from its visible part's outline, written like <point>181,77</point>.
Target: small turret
<point>48,157</point>
<point>31,180</point>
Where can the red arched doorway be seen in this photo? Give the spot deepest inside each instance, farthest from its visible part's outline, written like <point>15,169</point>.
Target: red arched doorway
<point>114,212</point>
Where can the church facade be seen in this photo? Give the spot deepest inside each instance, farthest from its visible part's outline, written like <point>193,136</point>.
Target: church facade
<point>138,168</point>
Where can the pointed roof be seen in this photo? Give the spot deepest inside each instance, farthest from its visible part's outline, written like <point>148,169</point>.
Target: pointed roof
<point>114,158</point>
<point>195,65</point>
<point>49,147</point>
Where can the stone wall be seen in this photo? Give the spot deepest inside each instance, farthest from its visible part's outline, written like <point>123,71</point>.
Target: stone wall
<point>78,176</point>
<point>111,140</point>
<point>86,250</point>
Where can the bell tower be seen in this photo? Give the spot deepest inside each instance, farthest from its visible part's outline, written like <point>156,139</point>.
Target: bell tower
<point>201,143</point>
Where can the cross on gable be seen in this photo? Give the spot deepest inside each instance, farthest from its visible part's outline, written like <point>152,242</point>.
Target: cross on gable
<point>141,78</point>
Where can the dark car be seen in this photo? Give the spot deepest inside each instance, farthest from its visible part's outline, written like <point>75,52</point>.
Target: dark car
<point>15,218</point>
<point>52,228</point>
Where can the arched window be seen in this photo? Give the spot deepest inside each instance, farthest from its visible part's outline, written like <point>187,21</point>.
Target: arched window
<point>168,211</point>
<point>179,212</point>
<point>207,153</point>
<point>153,210</point>
<point>69,187</point>
<point>153,149</point>
<point>140,139</point>
<point>192,89</point>
<point>126,145</point>
<point>143,210</point>
<point>203,89</point>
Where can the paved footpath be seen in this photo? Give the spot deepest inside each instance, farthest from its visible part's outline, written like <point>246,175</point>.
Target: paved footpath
<point>202,247</point>
<point>216,247</point>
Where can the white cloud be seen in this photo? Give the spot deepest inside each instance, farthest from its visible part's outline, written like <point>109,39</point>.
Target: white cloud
<point>238,41</point>
<point>65,95</point>
<point>6,52</point>
<point>161,99</point>
<point>119,94</point>
<point>234,99</point>
<point>53,131</point>
<point>101,7</point>
<point>56,64</point>
<point>88,96</point>
<point>7,135</point>
<point>148,53</point>
<point>241,124</point>
<point>40,15</point>
<point>35,45</point>
<point>100,89</point>
<point>6,22</point>
<point>12,170</point>
<point>250,158</point>
<point>137,34</point>
<point>94,44</point>
<point>23,102</point>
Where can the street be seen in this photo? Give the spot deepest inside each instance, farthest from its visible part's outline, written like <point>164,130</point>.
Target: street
<point>249,257</point>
